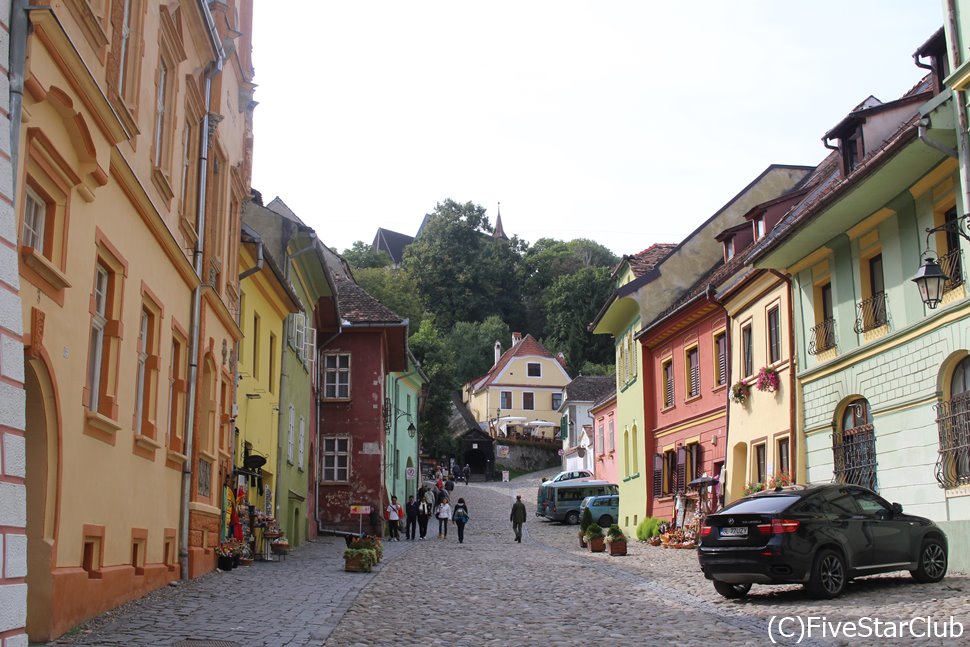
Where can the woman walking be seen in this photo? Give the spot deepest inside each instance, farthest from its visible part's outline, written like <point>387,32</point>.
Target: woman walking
<point>444,514</point>
<point>460,517</point>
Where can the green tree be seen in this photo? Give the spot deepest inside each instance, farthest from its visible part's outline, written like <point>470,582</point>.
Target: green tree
<point>395,288</point>
<point>362,255</point>
<point>571,303</point>
<point>472,346</point>
<point>430,349</point>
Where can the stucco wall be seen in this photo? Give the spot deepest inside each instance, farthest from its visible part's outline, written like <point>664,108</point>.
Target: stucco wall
<point>527,457</point>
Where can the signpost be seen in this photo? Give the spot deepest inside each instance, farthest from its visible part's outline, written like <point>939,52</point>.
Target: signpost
<point>410,473</point>
<point>360,511</point>
<point>505,476</point>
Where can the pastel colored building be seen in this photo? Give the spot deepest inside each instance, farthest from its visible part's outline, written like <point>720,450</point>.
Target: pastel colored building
<point>603,413</point>
<point>126,118</point>
<point>577,421</point>
<point>406,393</point>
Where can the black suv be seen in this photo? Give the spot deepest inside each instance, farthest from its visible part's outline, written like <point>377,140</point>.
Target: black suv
<point>821,536</point>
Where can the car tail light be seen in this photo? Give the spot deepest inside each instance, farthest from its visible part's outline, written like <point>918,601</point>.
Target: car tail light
<point>778,526</point>
<point>705,531</point>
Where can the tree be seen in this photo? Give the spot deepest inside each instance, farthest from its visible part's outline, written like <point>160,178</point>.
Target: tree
<point>571,303</point>
<point>429,348</point>
<point>395,288</point>
<point>362,255</point>
<point>472,346</point>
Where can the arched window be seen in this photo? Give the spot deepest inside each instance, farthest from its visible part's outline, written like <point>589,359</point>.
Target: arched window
<point>854,445</point>
<point>953,426</point>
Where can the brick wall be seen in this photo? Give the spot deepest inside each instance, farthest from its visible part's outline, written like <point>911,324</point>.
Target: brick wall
<point>13,492</point>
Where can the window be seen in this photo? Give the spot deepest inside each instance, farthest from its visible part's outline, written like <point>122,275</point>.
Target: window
<point>255,360</point>
<point>774,335</point>
<point>171,53</point>
<point>146,375</point>
<point>528,400</point>
<point>336,377</point>
<point>783,455</point>
<point>854,446</point>
<point>729,249</point>
<point>667,377</point>
<point>272,363</point>
<point>823,334</point>
<point>636,450</point>
<point>534,369</point>
<point>953,427</point>
<point>760,463</point>
<point>694,461</point>
<point>105,338</point>
<point>693,373</point>
<point>336,460</point>
<point>747,351</point>
<point>297,336</point>
<point>301,441</point>
<point>852,151</point>
<point>601,439</point>
<point>556,401</point>
<point>720,359</point>
<point>612,436</point>
<point>872,309</point>
<point>97,358</point>
<point>35,220</point>
<point>759,228</point>
<point>162,110</point>
<point>126,25</point>
<point>670,472</point>
<point>290,431</point>
<point>176,393</point>
<point>626,452</point>
<point>506,400</point>
<point>951,262</point>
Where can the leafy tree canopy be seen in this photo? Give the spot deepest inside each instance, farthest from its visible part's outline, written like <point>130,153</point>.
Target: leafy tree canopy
<point>395,288</point>
<point>362,255</point>
<point>571,303</point>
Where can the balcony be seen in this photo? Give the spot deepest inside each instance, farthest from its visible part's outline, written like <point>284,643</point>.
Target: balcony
<point>822,337</point>
<point>871,313</point>
<point>953,425</point>
<point>952,266</point>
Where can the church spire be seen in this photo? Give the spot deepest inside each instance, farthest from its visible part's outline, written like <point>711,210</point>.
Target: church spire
<point>499,232</point>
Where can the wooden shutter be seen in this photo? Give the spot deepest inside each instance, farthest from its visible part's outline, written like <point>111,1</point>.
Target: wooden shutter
<point>695,373</point>
<point>681,468</point>
<point>658,475</point>
<point>721,364</point>
<point>668,385</point>
<point>698,461</point>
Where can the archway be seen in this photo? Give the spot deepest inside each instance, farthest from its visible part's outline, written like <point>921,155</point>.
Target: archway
<point>42,473</point>
<point>476,461</point>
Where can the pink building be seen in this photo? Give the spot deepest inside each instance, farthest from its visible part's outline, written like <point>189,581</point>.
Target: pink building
<point>603,413</point>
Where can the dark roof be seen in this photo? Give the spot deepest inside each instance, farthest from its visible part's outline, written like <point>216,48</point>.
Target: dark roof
<point>610,394</point>
<point>391,242</point>
<point>463,411</point>
<point>356,306</point>
<point>499,230</point>
<point>642,262</point>
<point>589,388</point>
<point>279,207</point>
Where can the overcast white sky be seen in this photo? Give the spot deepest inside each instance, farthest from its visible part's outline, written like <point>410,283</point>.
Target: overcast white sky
<point>625,122</point>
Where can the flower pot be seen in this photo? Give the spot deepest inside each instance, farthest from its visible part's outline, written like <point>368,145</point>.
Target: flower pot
<point>597,544</point>
<point>225,563</point>
<point>356,565</point>
<point>618,547</point>
<point>280,549</point>
<point>245,561</point>
<point>582,541</point>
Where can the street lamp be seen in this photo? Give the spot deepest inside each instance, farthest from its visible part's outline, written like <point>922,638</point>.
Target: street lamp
<point>930,277</point>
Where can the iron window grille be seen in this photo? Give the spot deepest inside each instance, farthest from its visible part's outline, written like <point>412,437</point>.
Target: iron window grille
<point>871,313</point>
<point>953,425</point>
<point>822,337</point>
<point>854,451</point>
<point>952,266</point>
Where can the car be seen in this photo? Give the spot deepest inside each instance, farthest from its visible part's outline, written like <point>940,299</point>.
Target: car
<point>821,536</point>
<point>605,509</point>
<point>571,474</point>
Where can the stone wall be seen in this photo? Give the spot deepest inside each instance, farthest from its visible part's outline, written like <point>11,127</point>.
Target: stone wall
<point>526,456</point>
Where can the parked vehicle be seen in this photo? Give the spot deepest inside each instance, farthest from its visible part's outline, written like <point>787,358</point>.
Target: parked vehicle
<point>564,498</point>
<point>569,475</point>
<point>604,509</point>
<point>820,536</point>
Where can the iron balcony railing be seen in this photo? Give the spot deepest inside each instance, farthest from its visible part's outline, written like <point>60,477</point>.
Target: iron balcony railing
<point>871,313</point>
<point>953,425</point>
<point>854,451</point>
<point>822,337</point>
<point>952,266</point>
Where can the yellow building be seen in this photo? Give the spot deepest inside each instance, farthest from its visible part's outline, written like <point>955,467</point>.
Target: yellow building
<point>522,392</point>
<point>132,161</point>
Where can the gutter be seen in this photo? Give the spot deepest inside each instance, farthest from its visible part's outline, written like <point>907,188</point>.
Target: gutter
<point>963,141</point>
<point>921,133</point>
<point>18,65</point>
<point>793,452</point>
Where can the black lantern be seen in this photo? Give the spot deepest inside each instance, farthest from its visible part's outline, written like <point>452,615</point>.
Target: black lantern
<point>930,279</point>
<point>412,430</point>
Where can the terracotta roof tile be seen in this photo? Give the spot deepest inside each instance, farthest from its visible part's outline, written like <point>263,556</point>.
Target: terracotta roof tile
<point>527,346</point>
<point>356,306</point>
<point>643,262</point>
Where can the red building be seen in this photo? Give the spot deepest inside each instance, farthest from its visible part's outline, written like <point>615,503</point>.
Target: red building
<point>357,350</point>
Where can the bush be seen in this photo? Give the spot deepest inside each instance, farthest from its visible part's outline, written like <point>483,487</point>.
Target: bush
<point>594,530</point>
<point>586,520</point>
<point>649,527</point>
<point>367,556</point>
<point>615,533</point>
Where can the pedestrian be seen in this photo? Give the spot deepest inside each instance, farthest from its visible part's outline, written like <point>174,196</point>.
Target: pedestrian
<point>411,511</point>
<point>518,517</point>
<point>450,485</point>
<point>393,515</point>
<point>439,495</point>
<point>424,513</point>
<point>439,483</point>
<point>443,513</point>
<point>466,472</point>
<point>460,517</point>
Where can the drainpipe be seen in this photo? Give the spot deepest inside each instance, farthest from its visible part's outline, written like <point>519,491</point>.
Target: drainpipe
<point>259,261</point>
<point>963,143</point>
<point>712,297</point>
<point>795,448</point>
<point>921,133</point>
<point>215,67</point>
<point>18,64</point>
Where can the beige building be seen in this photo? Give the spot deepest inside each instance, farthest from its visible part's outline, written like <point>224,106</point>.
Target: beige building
<point>521,394</point>
<point>133,161</point>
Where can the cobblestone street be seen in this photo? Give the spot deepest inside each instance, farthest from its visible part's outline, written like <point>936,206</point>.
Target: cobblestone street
<point>493,591</point>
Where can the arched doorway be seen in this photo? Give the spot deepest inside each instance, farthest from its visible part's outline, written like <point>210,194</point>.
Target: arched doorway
<point>42,472</point>
<point>476,460</point>
<point>854,445</point>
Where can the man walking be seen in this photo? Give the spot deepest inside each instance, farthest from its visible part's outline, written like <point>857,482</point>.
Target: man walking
<point>518,517</point>
<point>411,512</point>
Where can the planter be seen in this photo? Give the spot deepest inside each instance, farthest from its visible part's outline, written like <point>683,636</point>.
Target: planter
<point>280,549</point>
<point>225,563</point>
<point>245,561</point>
<point>582,541</point>
<point>597,544</point>
<point>618,548</point>
<point>356,565</point>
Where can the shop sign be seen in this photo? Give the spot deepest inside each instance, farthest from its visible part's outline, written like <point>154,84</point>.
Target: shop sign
<point>360,509</point>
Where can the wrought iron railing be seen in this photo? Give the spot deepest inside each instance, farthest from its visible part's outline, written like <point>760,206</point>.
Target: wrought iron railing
<point>953,425</point>
<point>871,313</point>
<point>822,337</point>
<point>952,266</point>
<point>854,451</point>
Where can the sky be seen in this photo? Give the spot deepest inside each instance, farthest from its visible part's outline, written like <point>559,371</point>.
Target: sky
<point>625,122</point>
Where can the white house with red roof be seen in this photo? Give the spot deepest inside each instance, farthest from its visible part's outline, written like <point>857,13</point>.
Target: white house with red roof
<point>521,394</point>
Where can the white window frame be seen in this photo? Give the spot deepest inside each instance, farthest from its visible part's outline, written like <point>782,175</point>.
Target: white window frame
<point>301,443</point>
<point>289,435</point>
<point>502,402</point>
<point>161,95</point>
<point>335,446</point>
<point>98,323</point>
<point>125,41</point>
<point>310,351</point>
<point>528,369</point>
<point>35,221</point>
<point>331,376</point>
<point>140,372</point>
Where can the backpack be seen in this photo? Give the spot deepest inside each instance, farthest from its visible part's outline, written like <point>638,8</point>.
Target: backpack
<point>461,515</point>
<point>423,507</point>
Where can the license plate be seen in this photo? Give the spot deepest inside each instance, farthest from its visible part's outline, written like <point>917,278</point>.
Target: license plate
<point>735,531</point>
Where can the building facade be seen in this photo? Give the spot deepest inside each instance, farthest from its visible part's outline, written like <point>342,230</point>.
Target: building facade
<point>578,441</point>
<point>406,394</point>
<point>603,413</point>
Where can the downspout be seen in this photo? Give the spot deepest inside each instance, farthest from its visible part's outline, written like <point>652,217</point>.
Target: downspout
<point>963,143</point>
<point>215,67</point>
<point>259,261</point>
<point>712,297</point>
<point>18,64</point>
<point>795,448</point>
<point>921,133</point>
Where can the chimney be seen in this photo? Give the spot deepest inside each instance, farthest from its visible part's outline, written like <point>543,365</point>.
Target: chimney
<point>516,338</point>
<point>498,351</point>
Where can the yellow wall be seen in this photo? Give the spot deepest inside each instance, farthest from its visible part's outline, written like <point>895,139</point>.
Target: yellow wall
<point>514,378</point>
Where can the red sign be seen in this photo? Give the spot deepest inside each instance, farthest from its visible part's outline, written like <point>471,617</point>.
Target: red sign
<point>360,509</point>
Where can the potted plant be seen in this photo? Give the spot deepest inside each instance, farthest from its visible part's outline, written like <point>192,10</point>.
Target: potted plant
<point>616,540</point>
<point>751,488</point>
<point>359,560</point>
<point>224,556</point>
<point>778,479</point>
<point>740,392</point>
<point>594,537</point>
<point>584,524</point>
<point>280,546</point>
<point>768,380</point>
<point>372,542</point>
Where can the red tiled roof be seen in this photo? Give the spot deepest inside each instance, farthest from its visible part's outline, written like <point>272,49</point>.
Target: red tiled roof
<point>527,346</point>
<point>642,262</point>
<point>356,306</point>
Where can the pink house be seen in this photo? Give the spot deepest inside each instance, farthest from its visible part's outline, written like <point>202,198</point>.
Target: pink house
<point>603,413</point>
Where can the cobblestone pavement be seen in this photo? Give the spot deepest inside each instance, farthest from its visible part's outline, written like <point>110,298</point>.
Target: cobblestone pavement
<point>493,591</point>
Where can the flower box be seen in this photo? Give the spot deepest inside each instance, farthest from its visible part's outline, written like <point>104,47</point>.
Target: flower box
<point>597,544</point>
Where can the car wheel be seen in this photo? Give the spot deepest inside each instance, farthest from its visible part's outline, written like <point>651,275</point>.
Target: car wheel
<point>932,562</point>
<point>605,521</point>
<point>731,591</point>
<point>829,575</point>
<point>572,518</point>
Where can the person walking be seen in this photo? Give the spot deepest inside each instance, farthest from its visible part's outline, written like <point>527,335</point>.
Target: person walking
<point>518,517</point>
<point>411,513</point>
<point>466,472</point>
<point>460,517</point>
<point>424,513</point>
<point>393,516</point>
<point>443,513</point>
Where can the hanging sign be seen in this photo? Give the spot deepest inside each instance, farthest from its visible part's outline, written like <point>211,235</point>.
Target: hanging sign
<point>410,473</point>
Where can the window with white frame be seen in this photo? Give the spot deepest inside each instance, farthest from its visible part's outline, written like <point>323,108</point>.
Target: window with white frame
<point>141,381</point>
<point>336,376</point>
<point>35,220</point>
<point>301,441</point>
<point>506,400</point>
<point>556,401</point>
<point>600,440</point>
<point>96,350</point>
<point>289,435</point>
<point>612,436</point>
<point>534,369</point>
<point>528,400</point>
<point>336,459</point>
